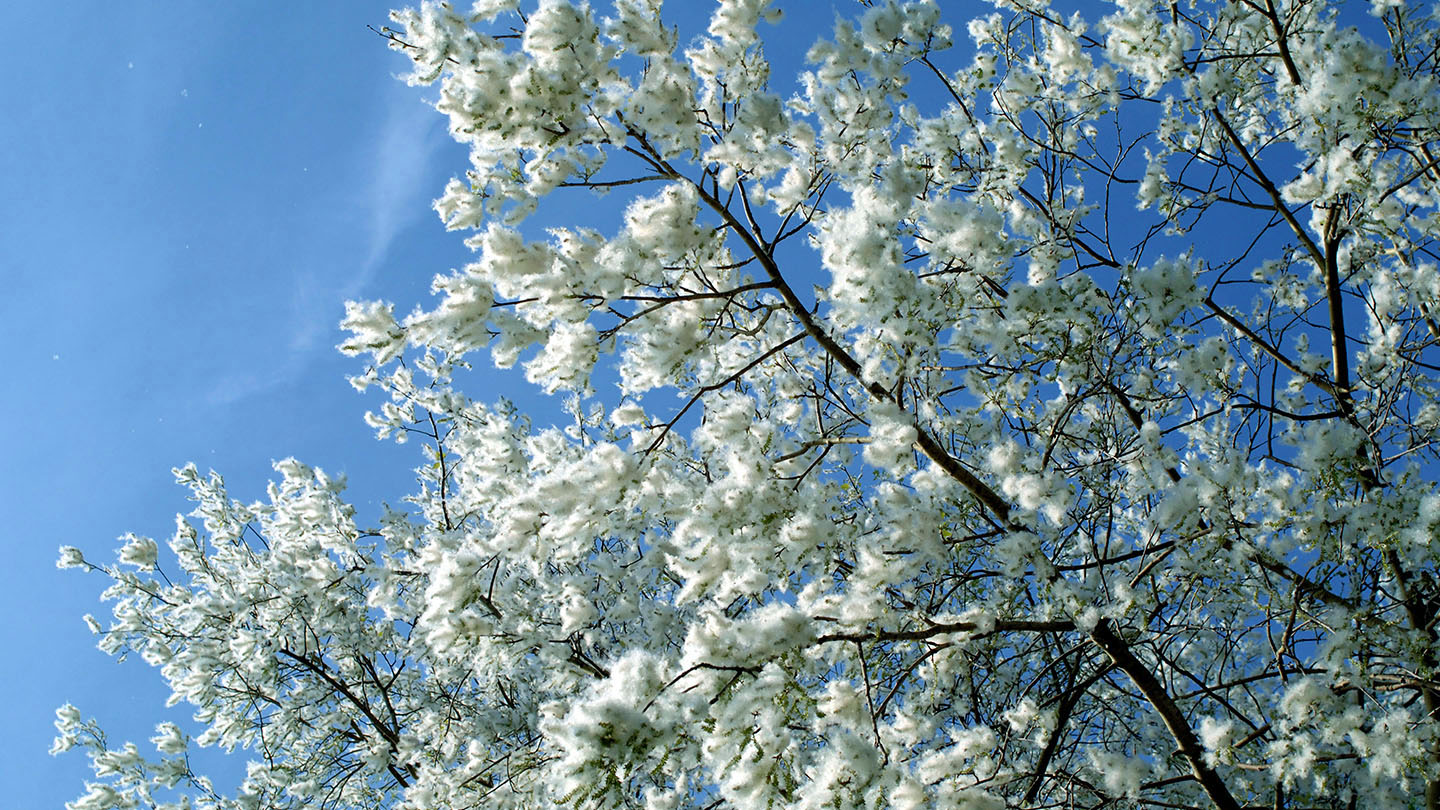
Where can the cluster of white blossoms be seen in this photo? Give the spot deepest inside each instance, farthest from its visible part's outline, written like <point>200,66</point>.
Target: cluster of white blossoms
<point>1039,417</point>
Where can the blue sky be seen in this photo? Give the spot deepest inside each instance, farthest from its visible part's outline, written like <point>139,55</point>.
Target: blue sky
<point>190,193</point>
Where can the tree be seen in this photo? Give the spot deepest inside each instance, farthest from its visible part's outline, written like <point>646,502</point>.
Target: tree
<point>1056,426</point>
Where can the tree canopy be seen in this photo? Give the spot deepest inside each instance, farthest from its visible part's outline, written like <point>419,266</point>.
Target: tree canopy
<point>1032,410</point>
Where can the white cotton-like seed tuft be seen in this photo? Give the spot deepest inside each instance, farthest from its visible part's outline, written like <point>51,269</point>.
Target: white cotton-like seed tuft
<point>141,552</point>
<point>892,438</point>
<point>627,415</point>
<point>169,739</point>
<point>566,359</point>
<point>1215,736</point>
<point>1162,292</point>
<point>70,557</point>
<point>489,9</point>
<point>373,329</point>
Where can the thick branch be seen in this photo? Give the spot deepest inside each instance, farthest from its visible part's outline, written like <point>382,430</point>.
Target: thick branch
<point>1270,188</point>
<point>1151,688</point>
<point>1339,355</point>
<point>991,500</point>
<point>1018,626</point>
<point>385,732</point>
<point>1275,354</point>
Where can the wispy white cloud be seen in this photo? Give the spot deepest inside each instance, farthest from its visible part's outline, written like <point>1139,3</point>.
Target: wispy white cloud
<point>395,183</point>
<point>407,144</point>
<point>387,190</point>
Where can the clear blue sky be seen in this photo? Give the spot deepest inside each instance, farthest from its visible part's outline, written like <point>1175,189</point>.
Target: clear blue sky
<point>190,193</point>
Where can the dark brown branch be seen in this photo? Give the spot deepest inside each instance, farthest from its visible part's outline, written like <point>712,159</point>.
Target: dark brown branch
<point>1062,717</point>
<point>1150,687</point>
<point>389,735</point>
<point>1001,626</point>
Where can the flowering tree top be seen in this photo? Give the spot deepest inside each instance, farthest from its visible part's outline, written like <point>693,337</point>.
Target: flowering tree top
<point>1027,411</point>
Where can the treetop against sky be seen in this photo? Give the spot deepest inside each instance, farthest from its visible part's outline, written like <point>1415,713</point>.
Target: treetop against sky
<point>1029,409</point>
